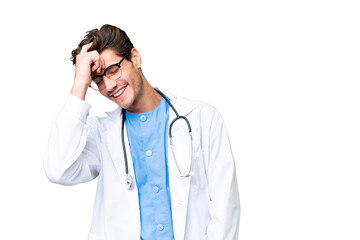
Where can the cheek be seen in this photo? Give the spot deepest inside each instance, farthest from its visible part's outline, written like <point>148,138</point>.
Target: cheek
<point>103,92</point>
<point>127,77</point>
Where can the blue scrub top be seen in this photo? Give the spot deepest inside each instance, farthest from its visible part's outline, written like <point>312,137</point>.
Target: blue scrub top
<point>148,134</point>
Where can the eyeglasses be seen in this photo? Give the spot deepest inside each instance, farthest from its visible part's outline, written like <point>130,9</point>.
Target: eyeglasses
<point>112,72</point>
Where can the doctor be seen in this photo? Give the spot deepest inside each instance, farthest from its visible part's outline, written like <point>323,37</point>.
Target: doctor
<point>148,186</point>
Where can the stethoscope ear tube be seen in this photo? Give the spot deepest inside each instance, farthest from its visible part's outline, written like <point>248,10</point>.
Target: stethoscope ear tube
<point>189,173</point>
<point>177,118</point>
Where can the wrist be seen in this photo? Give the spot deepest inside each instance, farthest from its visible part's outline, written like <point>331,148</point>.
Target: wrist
<point>79,90</point>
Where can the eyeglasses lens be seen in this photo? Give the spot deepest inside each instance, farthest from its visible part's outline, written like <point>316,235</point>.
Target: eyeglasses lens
<point>112,73</point>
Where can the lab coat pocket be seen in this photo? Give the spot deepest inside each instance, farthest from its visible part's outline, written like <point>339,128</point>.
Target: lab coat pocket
<point>198,180</point>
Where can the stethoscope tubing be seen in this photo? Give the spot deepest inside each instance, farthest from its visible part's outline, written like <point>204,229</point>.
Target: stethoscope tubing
<point>128,179</point>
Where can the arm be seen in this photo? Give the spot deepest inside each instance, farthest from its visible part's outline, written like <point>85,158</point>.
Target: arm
<point>73,154</point>
<point>224,196</point>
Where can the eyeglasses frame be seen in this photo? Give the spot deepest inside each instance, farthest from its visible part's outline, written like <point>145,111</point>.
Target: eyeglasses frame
<point>104,74</point>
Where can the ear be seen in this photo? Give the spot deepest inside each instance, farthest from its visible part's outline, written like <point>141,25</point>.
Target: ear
<point>136,58</point>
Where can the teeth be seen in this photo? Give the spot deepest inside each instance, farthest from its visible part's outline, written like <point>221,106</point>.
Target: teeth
<point>119,92</point>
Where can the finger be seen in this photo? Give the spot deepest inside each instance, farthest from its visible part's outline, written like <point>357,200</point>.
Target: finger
<point>85,48</point>
<point>100,68</point>
<point>99,64</point>
<point>96,67</point>
<point>93,60</point>
<point>103,66</point>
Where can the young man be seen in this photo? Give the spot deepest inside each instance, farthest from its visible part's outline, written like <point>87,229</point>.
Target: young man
<point>149,186</point>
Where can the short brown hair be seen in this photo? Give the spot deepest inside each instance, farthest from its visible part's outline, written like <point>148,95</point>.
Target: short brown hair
<point>108,37</point>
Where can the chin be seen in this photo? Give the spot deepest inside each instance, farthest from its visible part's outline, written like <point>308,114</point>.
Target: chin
<point>124,104</point>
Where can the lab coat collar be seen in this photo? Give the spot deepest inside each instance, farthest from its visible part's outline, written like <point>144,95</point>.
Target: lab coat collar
<point>115,115</point>
<point>183,106</point>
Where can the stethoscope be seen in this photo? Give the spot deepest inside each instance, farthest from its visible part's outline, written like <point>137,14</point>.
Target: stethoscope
<point>129,179</point>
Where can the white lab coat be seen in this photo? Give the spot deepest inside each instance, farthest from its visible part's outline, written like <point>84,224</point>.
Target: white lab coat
<point>204,206</point>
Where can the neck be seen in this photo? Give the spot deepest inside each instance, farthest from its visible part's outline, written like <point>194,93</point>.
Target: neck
<point>147,99</point>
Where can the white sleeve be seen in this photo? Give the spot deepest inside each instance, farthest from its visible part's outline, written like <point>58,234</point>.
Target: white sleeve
<point>73,155</point>
<point>224,196</point>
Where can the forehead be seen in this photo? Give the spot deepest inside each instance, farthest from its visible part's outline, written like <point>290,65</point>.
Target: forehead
<point>110,57</point>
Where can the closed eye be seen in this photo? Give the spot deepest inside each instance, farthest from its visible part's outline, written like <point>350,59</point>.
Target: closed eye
<point>97,79</point>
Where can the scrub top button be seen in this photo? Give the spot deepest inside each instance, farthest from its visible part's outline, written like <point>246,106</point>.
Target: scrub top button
<point>155,189</point>
<point>143,118</point>
<point>148,153</point>
<point>160,227</point>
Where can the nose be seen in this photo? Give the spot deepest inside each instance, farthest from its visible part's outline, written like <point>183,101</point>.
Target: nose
<point>110,85</point>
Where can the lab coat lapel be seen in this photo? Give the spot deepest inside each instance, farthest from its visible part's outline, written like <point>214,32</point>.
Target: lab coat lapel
<point>179,186</point>
<point>114,144</point>
<point>113,140</point>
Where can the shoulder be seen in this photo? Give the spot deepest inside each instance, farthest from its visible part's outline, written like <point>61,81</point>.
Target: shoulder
<point>204,108</point>
<point>196,111</point>
<point>105,122</point>
<point>200,108</point>
<point>187,105</point>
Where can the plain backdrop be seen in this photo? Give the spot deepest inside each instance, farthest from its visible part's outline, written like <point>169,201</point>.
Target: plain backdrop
<point>284,75</point>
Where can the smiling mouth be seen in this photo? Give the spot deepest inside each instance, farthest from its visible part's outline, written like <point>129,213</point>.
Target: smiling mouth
<point>120,92</point>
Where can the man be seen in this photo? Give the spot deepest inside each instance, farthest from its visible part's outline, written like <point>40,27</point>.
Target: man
<point>149,187</point>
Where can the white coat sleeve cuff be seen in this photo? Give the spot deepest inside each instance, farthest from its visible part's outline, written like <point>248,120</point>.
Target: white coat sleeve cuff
<point>76,108</point>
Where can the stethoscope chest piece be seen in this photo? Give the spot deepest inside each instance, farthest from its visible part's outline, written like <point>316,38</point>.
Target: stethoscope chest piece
<point>128,181</point>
